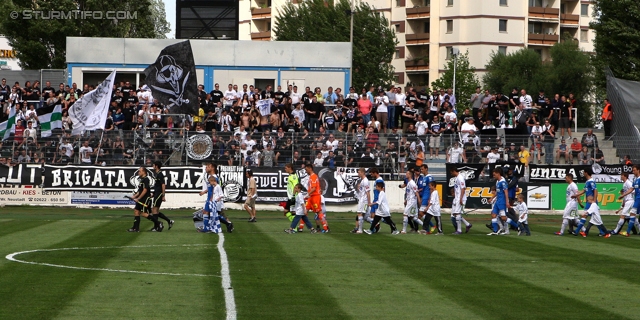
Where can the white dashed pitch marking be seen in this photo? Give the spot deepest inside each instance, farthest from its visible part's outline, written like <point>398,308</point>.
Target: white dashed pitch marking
<point>229,298</point>
<point>12,257</point>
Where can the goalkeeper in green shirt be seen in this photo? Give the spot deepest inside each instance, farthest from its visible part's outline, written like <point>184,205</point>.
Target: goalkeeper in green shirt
<point>292,181</point>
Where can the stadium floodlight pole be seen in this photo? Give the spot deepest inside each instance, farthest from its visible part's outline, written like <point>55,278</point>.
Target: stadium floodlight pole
<point>350,13</point>
<point>455,51</point>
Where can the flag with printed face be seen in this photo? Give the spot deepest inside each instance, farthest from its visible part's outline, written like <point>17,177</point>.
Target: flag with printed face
<point>172,79</point>
<point>50,118</point>
<point>90,112</point>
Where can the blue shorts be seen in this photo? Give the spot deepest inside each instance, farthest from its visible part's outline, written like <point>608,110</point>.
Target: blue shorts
<point>636,203</point>
<point>499,209</point>
<point>374,208</point>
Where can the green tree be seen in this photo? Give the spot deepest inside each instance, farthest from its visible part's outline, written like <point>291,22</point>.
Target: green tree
<point>520,69</point>
<point>41,43</point>
<point>159,18</point>
<point>617,28</point>
<point>373,40</point>
<point>466,80</point>
<point>569,71</point>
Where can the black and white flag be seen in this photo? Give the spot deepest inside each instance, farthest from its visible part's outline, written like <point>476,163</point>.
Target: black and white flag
<point>172,79</point>
<point>90,112</point>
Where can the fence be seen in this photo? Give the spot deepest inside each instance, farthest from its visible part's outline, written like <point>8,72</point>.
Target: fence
<point>622,95</point>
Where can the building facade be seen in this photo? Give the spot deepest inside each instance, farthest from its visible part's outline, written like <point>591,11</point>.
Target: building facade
<point>323,64</point>
<point>429,30</point>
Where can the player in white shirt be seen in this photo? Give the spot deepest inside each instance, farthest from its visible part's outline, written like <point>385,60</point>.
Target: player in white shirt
<point>411,200</point>
<point>300,210</point>
<point>382,211</point>
<point>523,216</point>
<point>570,217</point>
<point>363,194</point>
<point>627,198</point>
<point>594,212</point>
<point>455,153</point>
<point>433,208</point>
<point>459,200</point>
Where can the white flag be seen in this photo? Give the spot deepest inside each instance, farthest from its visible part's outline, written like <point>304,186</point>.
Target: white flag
<point>90,112</point>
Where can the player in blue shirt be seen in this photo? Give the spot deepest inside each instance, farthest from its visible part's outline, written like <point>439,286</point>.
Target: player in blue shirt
<point>590,190</point>
<point>501,204</point>
<point>376,175</point>
<point>425,195</point>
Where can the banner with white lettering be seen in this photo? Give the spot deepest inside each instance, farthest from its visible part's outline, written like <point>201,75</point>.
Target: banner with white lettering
<point>233,182</point>
<point>470,171</point>
<point>337,185</point>
<point>26,174</point>
<point>601,173</point>
<point>517,167</point>
<point>119,178</point>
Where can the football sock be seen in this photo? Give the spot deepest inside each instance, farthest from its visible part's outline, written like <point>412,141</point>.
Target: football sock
<point>223,220</point>
<point>603,229</point>
<point>505,226</point>
<point>163,217</point>
<point>412,225</point>
<point>580,225</point>
<point>466,223</point>
<point>405,220</point>
<point>360,223</point>
<point>512,223</point>
<point>459,223</point>
<point>417,221</point>
<point>565,223</point>
<point>619,226</point>
<point>494,224</point>
<point>632,222</point>
<point>154,218</point>
<point>205,220</point>
<point>136,223</point>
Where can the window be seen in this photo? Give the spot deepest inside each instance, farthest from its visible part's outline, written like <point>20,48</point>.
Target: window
<point>503,3</point>
<point>427,27</point>
<point>449,26</point>
<point>535,3</point>
<point>427,3</point>
<point>535,27</point>
<point>449,3</point>
<point>397,28</point>
<point>398,54</point>
<point>584,35</point>
<point>449,53</point>
<point>502,25</point>
<point>584,10</point>
<point>502,50</point>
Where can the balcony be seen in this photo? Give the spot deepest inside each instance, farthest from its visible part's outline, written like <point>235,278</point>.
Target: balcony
<point>418,13</point>
<point>260,13</point>
<point>417,39</point>
<point>543,39</point>
<point>543,13</point>
<point>415,65</point>
<point>261,36</point>
<point>570,19</point>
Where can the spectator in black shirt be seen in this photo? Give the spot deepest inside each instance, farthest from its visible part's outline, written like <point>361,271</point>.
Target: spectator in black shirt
<point>314,114</point>
<point>216,95</point>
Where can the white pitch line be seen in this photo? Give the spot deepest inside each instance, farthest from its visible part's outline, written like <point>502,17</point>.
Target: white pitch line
<point>12,257</point>
<point>229,298</point>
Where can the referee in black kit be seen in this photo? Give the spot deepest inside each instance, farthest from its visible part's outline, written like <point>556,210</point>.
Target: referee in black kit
<point>159,189</point>
<point>142,197</point>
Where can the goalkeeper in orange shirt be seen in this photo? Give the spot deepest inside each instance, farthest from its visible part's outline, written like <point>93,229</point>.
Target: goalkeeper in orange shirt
<point>314,198</point>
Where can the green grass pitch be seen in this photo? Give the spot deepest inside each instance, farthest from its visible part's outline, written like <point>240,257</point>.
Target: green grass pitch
<point>303,276</point>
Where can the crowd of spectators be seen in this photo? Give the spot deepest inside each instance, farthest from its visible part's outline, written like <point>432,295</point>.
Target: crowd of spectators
<point>387,128</point>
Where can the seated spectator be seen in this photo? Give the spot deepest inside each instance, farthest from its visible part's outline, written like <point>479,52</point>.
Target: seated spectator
<point>589,140</point>
<point>318,162</point>
<point>584,157</point>
<point>524,155</point>
<point>455,154</point>
<point>512,152</point>
<point>563,152</point>
<point>23,157</point>
<point>627,160</point>
<point>536,150</point>
<point>493,156</point>
<point>576,147</point>
<point>599,156</point>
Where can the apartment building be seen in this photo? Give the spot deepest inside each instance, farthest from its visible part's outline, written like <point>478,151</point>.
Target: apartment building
<point>429,30</point>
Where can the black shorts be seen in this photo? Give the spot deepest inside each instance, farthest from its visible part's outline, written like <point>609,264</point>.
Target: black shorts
<point>144,208</point>
<point>564,123</point>
<point>157,200</point>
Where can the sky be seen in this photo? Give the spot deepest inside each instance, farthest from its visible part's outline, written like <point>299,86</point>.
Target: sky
<point>170,9</point>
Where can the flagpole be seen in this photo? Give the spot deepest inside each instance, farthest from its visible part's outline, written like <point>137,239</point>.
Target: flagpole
<point>99,146</point>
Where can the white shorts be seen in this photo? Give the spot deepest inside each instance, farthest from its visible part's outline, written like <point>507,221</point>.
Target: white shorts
<point>626,210</point>
<point>411,209</point>
<point>362,207</point>
<point>423,209</point>
<point>595,219</point>
<point>569,209</point>
<point>456,207</point>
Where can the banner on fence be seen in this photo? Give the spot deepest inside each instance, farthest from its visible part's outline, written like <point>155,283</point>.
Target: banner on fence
<point>32,196</point>
<point>518,167</point>
<point>100,198</point>
<point>470,171</point>
<point>608,194</point>
<point>118,179</point>
<point>538,197</point>
<point>233,181</point>
<point>26,174</point>
<point>479,195</point>
<point>601,173</point>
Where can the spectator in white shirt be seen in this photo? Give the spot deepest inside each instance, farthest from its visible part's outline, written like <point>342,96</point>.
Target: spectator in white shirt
<point>144,96</point>
<point>31,115</point>
<point>295,98</point>
<point>493,156</point>
<point>30,131</point>
<point>455,154</point>
<point>332,143</point>
<point>230,96</point>
<point>526,100</point>
<point>467,127</point>
<point>452,98</point>
<point>85,153</point>
<point>421,127</point>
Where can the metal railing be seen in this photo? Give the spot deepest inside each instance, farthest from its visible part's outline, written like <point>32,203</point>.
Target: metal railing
<point>623,131</point>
